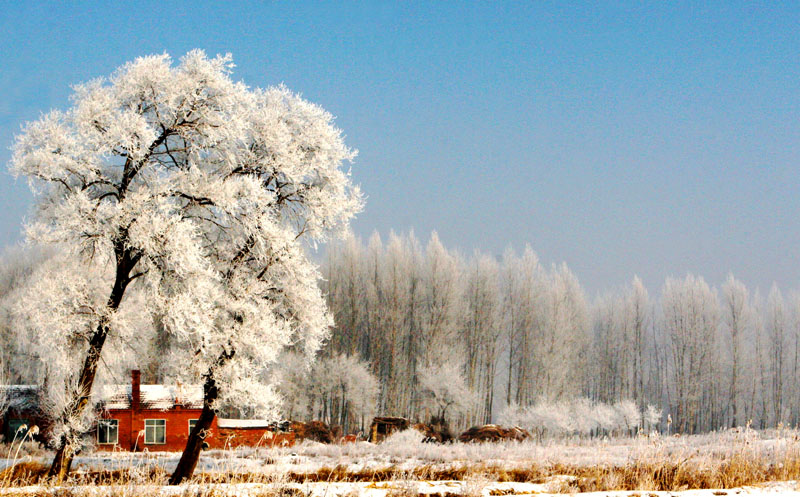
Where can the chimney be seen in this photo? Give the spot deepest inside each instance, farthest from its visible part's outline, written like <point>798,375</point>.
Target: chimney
<point>136,394</point>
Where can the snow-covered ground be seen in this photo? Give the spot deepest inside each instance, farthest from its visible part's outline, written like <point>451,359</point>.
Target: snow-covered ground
<point>410,467</point>
<point>409,489</point>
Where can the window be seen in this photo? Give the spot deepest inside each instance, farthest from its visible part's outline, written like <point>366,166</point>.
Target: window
<point>13,428</point>
<point>107,431</point>
<point>155,431</point>
<point>192,423</point>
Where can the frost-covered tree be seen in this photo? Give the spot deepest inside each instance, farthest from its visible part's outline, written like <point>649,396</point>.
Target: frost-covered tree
<point>21,362</point>
<point>691,314</point>
<point>443,386</point>
<point>523,289</point>
<point>338,390</point>
<point>651,417</point>
<point>777,339</point>
<point>57,314</point>
<point>199,191</point>
<point>736,324</point>
<point>294,378</point>
<point>630,419</point>
<point>480,331</point>
<point>345,391</point>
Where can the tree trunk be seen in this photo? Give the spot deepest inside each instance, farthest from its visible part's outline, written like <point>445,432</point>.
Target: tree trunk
<point>62,461</point>
<point>65,452</point>
<point>191,454</point>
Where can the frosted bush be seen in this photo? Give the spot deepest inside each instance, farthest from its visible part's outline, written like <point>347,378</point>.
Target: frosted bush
<point>579,417</point>
<point>405,438</point>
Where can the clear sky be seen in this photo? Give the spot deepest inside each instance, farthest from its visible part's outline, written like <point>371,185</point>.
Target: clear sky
<point>628,138</point>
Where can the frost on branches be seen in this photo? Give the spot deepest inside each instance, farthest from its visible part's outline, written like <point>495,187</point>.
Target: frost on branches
<point>338,389</point>
<point>194,193</point>
<point>443,386</point>
<point>581,417</point>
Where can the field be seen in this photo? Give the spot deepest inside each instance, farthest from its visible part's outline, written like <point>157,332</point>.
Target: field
<point>723,463</point>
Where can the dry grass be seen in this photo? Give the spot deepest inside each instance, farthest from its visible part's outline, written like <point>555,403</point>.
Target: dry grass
<point>653,467</point>
<point>665,476</point>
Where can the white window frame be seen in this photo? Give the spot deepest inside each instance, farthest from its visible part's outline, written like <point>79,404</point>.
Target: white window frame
<point>100,426</point>
<point>190,424</point>
<point>153,427</point>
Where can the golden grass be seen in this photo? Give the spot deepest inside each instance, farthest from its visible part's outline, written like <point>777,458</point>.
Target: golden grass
<point>665,476</point>
<point>740,464</point>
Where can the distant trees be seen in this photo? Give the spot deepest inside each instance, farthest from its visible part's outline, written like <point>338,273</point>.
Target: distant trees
<point>338,389</point>
<point>777,339</point>
<point>580,417</point>
<point>737,330</point>
<point>424,331</point>
<point>525,335</point>
<point>691,313</point>
<point>523,288</point>
<point>409,312</point>
<point>19,361</point>
<point>480,332</point>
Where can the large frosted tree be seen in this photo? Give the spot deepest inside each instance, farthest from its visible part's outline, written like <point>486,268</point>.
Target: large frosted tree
<point>198,191</point>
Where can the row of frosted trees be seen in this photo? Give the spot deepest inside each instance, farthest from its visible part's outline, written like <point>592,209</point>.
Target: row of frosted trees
<point>521,333</point>
<point>422,330</point>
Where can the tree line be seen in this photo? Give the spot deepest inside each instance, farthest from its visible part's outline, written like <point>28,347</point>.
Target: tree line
<point>517,333</point>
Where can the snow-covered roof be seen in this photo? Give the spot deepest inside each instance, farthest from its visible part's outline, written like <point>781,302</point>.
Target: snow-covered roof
<point>160,397</point>
<point>243,423</point>
<point>152,396</point>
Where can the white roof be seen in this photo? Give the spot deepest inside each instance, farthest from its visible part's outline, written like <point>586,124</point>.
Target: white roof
<point>160,397</point>
<point>243,423</point>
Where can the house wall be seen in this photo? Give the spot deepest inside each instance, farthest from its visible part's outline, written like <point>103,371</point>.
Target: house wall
<point>251,437</point>
<point>131,428</point>
<point>131,432</point>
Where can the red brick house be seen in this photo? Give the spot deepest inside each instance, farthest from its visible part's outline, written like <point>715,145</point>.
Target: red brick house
<point>139,417</point>
<point>160,418</point>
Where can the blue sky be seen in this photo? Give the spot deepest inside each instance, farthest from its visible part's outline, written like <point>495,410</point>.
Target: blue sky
<point>628,138</point>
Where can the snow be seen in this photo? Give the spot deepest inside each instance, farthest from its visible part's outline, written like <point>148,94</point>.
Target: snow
<point>367,489</point>
<point>242,423</point>
<point>403,453</point>
<point>153,396</point>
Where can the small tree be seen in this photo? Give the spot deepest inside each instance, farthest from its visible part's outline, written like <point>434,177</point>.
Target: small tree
<point>338,389</point>
<point>651,417</point>
<point>444,386</point>
<point>629,416</point>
